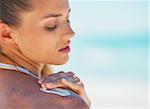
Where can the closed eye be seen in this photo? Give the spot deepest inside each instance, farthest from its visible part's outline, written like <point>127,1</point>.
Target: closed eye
<point>50,29</point>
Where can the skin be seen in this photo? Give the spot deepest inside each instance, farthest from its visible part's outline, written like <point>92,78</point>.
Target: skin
<point>34,35</point>
<point>39,34</point>
<point>28,95</point>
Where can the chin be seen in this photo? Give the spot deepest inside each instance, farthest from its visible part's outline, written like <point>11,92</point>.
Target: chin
<point>60,62</point>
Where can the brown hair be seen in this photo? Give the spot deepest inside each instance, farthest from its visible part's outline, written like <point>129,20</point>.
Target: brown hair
<point>10,12</point>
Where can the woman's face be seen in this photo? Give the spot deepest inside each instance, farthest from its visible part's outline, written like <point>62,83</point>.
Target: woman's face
<point>45,31</point>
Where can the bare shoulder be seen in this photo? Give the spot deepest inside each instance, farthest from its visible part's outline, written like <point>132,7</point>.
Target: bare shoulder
<point>21,91</point>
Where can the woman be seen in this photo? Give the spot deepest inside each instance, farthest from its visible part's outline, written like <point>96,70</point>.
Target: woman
<point>33,34</point>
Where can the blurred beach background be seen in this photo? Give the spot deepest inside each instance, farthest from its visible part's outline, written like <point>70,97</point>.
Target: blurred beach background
<point>110,51</point>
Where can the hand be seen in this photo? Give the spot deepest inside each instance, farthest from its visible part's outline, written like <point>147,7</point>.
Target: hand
<point>64,80</point>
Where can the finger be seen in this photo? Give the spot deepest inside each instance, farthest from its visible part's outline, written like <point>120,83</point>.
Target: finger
<point>62,74</point>
<point>41,80</point>
<point>51,77</point>
<point>55,84</point>
<point>59,83</point>
<point>59,74</point>
<point>55,77</point>
<point>63,83</point>
<point>76,77</point>
<point>77,87</point>
<point>71,73</point>
<point>72,79</point>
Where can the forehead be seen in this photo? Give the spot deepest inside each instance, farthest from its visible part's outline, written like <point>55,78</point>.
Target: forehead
<point>42,8</point>
<point>50,5</point>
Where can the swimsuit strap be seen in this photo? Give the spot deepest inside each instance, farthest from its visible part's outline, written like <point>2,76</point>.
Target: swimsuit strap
<point>58,91</point>
<point>12,67</point>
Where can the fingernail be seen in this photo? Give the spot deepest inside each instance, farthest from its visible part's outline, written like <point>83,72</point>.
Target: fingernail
<point>78,83</point>
<point>74,76</point>
<point>49,85</point>
<point>43,86</point>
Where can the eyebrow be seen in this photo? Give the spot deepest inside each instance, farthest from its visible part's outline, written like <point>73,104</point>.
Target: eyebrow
<point>56,15</point>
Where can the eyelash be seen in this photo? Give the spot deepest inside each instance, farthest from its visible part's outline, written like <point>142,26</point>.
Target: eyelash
<point>68,21</point>
<point>50,29</point>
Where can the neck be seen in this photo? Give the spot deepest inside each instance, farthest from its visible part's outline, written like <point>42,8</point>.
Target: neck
<point>12,55</point>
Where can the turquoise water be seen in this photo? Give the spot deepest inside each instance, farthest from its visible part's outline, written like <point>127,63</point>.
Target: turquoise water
<point>140,40</point>
<point>126,57</point>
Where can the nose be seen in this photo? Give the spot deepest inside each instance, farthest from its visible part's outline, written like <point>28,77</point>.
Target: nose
<point>68,32</point>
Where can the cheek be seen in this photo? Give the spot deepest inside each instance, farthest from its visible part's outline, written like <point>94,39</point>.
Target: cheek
<point>37,48</point>
<point>41,46</point>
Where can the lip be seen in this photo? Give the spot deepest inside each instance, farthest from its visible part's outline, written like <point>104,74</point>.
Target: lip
<point>65,49</point>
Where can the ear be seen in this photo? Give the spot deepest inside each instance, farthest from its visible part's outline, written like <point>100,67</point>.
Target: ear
<point>5,33</point>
